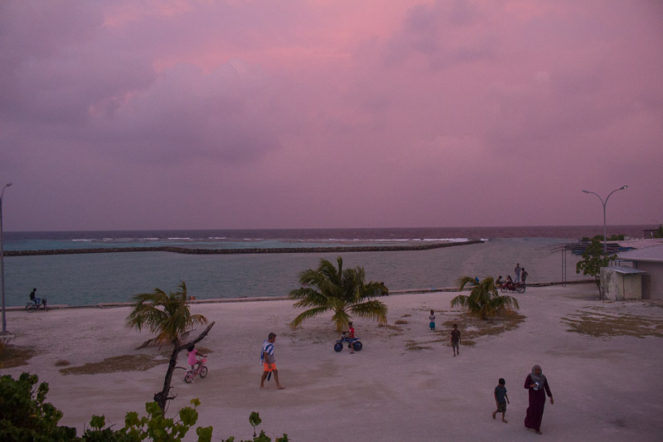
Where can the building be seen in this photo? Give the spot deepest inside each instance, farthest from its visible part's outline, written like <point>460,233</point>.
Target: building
<point>621,283</point>
<point>649,260</point>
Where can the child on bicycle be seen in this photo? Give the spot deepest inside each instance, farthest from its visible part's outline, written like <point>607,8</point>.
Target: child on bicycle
<point>193,356</point>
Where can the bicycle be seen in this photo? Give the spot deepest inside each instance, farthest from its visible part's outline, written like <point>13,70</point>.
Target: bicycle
<point>36,304</point>
<point>200,369</point>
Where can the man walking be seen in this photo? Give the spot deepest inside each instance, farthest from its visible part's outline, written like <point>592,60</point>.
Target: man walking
<point>269,361</point>
<point>455,340</point>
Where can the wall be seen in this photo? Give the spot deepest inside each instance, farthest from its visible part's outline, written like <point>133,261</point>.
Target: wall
<point>653,283</point>
<point>619,286</point>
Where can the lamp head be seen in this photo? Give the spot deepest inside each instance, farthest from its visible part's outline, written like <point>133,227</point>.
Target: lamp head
<point>624,187</point>
<point>585,191</point>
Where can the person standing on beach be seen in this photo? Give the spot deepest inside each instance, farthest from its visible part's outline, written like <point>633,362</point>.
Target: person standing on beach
<point>455,340</point>
<point>501,399</point>
<point>536,383</point>
<point>269,361</point>
<point>431,320</point>
<point>517,272</point>
<point>523,275</point>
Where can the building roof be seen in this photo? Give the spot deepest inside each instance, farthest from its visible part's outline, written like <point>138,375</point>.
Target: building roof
<point>626,270</point>
<point>650,254</point>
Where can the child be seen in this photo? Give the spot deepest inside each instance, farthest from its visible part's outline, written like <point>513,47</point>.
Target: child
<point>351,337</point>
<point>193,356</point>
<point>455,340</point>
<point>431,318</point>
<point>501,399</point>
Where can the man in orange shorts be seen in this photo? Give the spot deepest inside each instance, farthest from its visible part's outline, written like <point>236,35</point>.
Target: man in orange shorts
<point>269,361</point>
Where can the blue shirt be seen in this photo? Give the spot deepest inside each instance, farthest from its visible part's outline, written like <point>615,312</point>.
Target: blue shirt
<point>268,352</point>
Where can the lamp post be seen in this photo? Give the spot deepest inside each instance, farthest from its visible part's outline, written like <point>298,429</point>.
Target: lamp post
<point>2,263</point>
<point>603,203</point>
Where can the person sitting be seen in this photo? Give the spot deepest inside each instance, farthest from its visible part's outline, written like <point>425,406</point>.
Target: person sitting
<point>193,356</point>
<point>500,282</point>
<point>509,283</point>
<point>33,297</point>
<point>350,337</point>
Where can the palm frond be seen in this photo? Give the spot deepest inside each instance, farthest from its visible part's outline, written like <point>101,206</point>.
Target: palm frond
<point>460,300</point>
<point>307,314</point>
<point>341,319</point>
<point>371,309</point>
<point>166,315</point>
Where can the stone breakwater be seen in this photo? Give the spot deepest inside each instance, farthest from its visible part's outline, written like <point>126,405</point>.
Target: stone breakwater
<point>198,251</point>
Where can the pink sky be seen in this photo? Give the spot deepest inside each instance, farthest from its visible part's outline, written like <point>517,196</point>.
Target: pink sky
<point>153,114</point>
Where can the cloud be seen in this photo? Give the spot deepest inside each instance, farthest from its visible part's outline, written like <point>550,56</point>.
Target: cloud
<point>309,113</point>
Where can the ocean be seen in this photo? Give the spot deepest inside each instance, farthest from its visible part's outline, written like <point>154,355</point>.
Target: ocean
<point>89,279</point>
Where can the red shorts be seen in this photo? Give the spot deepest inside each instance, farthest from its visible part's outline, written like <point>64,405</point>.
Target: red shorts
<point>269,367</point>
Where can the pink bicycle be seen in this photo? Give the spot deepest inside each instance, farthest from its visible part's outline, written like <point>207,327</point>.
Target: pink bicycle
<point>200,369</point>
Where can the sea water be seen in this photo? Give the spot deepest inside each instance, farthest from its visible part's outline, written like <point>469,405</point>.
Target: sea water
<point>86,279</point>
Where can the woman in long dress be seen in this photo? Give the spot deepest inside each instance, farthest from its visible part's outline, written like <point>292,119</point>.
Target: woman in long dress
<point>536,383</point>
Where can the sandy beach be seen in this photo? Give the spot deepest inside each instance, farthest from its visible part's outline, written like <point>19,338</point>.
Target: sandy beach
<point>405,385</point>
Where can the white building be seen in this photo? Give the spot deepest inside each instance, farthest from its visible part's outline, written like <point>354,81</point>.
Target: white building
<point>649,260</point>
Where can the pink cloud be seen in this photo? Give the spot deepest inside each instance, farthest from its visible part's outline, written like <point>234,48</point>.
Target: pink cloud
<point>329,113</point>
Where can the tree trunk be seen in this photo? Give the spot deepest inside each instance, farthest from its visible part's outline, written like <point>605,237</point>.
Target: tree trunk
<point>161,398</point>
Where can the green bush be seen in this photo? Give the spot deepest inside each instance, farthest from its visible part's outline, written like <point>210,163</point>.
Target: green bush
<point>592,260</point>
<point>26,417</point>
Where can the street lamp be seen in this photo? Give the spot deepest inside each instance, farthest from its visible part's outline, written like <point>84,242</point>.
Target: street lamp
<point>604,202</point>
<point>2,264</point>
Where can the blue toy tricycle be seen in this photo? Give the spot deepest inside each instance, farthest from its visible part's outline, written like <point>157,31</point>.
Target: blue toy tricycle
<point>354,342</point>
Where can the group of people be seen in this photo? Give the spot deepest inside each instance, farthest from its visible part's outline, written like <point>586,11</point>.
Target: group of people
<point>536,383</point>
<point>266,357</point>
<point>538,387</point>
<point>509,283</point>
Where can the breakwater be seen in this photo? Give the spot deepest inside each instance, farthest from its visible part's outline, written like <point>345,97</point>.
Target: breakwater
<point>241,251</point>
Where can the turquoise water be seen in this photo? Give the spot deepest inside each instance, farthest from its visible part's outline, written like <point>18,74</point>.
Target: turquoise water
<point>87,279</point>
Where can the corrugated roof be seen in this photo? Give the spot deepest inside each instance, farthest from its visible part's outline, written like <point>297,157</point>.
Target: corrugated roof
<point>651,254</point>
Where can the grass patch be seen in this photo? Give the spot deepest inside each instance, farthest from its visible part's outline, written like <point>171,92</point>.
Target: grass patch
<point>13,356</point>
<point>62,363</point>
<point>394,328</point>
<point>600,324</point>
<point>401,322</point>
<point>473,327</point>
<point>115,364</point>
<point>414,346</point>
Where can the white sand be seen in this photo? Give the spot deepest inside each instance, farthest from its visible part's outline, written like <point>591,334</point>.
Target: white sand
<point>607,389</point>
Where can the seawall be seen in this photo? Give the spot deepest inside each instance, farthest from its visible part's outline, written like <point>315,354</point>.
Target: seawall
<point>198,251</point>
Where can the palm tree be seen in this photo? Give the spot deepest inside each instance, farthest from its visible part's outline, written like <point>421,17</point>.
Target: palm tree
<point>343,292</point>
<point>484,298</point>
<point>168,316</point>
